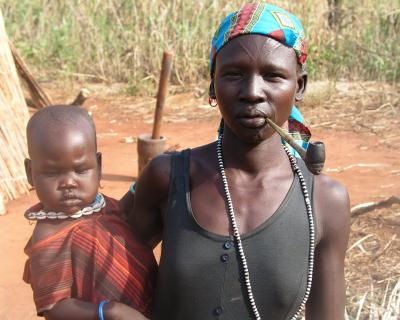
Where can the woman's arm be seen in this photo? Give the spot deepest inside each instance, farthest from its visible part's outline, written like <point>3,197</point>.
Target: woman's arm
<point>328,296</point>
<point>68,309</point>
<point>126,204</point>
<point>151,194</point>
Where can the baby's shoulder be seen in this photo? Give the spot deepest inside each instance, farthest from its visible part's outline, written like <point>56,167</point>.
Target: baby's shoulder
<point>47,229</point>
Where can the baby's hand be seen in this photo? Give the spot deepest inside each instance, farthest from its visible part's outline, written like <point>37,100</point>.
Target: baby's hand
<point>119,311</point>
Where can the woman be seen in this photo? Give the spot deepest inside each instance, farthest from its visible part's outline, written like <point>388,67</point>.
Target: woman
<point>247,231</point>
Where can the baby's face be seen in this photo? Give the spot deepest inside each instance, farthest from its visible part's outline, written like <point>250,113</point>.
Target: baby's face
<point>65,171</point>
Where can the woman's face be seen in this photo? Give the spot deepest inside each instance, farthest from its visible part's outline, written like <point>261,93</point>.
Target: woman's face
<point>256,76</point>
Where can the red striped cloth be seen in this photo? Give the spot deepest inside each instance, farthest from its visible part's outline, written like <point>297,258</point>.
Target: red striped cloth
<point>94,258</point>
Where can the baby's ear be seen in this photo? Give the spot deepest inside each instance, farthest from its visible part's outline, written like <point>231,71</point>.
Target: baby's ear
<point>99,164</point>
<point>28,170</point>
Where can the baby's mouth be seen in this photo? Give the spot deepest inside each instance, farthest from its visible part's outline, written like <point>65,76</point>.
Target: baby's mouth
<point>68,195</point>
<point>70,199</point>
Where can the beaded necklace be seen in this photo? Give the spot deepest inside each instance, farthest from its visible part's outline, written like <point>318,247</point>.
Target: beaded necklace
<point>238,239</point>
<point>98,204</point>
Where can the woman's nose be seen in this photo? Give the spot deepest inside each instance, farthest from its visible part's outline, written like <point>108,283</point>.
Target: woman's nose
<point>253,89</point>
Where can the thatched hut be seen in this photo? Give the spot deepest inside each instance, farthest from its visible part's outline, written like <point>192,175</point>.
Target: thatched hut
<point>13,118</point>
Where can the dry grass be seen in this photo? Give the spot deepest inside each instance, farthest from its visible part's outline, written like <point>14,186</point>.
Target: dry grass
<point>372,107</point>
<point>123,40</point>
<point>373,266</point>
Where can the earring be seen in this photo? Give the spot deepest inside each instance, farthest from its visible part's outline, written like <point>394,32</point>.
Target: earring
<point>212,102</point>
<point>298,98</point>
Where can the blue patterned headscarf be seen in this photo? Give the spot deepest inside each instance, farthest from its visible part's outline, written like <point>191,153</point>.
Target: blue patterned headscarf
<point>265,19</point>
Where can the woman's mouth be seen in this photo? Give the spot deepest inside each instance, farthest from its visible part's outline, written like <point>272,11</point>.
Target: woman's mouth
<point>252,122</point>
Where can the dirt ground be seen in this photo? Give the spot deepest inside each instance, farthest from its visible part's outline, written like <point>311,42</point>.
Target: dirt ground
<point>357,121</point>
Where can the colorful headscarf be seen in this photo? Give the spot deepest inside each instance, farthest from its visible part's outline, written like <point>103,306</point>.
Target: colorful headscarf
<point>264,19</point>
<point>298,130</point>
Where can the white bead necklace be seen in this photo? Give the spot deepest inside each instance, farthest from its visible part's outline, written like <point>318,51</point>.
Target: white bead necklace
<point>238,239</point>
<point>98,204</point>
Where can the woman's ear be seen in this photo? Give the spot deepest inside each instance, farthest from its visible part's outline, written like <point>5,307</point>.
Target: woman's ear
<point>28,170</point>
<point>99,164</point>
<point>301,85</point>
<point>211,91</point>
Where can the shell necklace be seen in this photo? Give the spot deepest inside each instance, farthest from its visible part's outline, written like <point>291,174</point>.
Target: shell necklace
<point>238,239</point>
<point>98,204</point>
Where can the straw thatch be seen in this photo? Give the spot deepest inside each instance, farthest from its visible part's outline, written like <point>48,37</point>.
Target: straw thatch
<point>13,118</point>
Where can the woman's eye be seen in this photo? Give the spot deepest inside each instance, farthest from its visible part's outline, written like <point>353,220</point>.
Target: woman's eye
<point>273,76</point>
<point>82,171</point>
<point>233,74</point>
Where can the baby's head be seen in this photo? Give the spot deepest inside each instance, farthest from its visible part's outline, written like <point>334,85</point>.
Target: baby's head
<point>64,165</point>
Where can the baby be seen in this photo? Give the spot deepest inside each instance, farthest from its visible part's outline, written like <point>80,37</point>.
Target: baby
<point>84,262</point>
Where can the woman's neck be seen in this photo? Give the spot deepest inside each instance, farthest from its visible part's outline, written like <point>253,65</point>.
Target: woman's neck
<point>263,156</point>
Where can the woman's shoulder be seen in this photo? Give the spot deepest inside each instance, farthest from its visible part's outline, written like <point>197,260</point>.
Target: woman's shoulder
<point>160,167</point>
<point>330,191</point>
<point>203,157</point>
<point>332,206</point>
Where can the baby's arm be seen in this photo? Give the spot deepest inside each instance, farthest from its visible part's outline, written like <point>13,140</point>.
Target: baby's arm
<point>70,308</point>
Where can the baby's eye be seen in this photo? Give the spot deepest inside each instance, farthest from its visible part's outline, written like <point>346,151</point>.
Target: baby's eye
<point>51,173</point>
<point>81,170</point>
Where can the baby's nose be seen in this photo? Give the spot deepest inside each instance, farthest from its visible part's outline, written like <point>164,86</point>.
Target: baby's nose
<point>67,182</point>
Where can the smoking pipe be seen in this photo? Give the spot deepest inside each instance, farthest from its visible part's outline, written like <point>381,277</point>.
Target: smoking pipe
<point>314,157</point>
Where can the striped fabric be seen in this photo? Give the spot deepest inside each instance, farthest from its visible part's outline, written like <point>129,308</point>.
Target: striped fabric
<point>93,259</point>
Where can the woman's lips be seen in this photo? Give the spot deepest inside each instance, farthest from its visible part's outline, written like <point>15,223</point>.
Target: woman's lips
<point>252,122</point>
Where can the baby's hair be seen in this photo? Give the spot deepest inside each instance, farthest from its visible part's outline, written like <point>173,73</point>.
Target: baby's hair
<point>53,118</point>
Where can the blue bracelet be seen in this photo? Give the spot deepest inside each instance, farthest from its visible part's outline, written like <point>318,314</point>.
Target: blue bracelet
<point>132,188</point>
<point>100,309</point>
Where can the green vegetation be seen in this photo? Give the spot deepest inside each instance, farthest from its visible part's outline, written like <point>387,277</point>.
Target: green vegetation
<point>124,40</point>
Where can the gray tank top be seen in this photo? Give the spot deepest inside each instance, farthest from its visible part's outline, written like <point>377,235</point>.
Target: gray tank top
<point>200,276</point>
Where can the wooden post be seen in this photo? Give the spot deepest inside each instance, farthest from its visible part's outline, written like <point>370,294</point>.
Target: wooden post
<point>162,93</point>
<point>81,97</point>
<point>150,146</point>
<point>40,98</point>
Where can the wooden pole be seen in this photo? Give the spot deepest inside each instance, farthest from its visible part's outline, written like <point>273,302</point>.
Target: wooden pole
<point>162,93</point>
<point>40,98</point>
<point>81,97</point>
